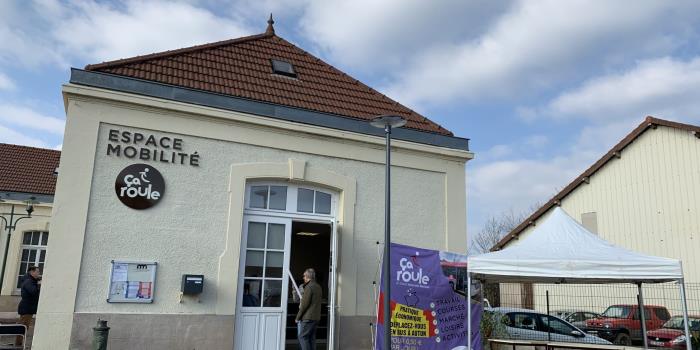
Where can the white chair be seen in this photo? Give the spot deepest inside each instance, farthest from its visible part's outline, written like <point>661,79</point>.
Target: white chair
<point>14,329</point>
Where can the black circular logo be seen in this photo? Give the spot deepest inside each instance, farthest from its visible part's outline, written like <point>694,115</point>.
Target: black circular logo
<point>139,186</point>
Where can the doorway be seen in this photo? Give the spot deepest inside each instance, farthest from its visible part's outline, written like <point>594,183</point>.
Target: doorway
<point>311,246</point>
<point>287,228</point>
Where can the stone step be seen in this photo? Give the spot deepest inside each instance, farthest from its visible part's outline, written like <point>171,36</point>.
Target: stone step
<point>8,316</point>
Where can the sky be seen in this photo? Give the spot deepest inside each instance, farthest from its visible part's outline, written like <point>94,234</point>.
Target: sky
<point>542,88</point>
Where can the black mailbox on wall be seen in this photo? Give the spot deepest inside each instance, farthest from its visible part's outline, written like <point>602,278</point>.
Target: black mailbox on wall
<point>192,284</point>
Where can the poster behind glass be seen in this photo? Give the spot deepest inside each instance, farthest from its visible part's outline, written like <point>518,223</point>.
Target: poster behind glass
<point>132,282</point>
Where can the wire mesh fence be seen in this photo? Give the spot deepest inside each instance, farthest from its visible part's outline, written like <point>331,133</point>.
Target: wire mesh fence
<point>595,314</point>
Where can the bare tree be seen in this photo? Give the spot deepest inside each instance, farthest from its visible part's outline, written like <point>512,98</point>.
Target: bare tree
<point>490,234</point>
<point>496,227</point>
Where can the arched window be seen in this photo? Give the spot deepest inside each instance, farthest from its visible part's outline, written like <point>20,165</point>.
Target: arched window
<point>289,198</point>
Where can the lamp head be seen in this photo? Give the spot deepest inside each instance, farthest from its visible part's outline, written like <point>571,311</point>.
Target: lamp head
<point>30,209</point>
<point>394,121</point>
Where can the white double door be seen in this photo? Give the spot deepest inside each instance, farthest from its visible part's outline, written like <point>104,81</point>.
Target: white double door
<point>263,284</point>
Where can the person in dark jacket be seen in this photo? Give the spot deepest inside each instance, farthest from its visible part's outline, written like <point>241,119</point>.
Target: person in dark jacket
<point>309,311</point>
<point>30,299</point>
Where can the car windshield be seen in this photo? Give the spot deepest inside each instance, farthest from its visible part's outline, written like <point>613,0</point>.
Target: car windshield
<point>677,323</point>
<point>555,325</point>
<point>617,311</point>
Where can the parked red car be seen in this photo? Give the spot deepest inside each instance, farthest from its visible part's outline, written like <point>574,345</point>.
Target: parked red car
<point>620,324</point>
<point>672,334</point>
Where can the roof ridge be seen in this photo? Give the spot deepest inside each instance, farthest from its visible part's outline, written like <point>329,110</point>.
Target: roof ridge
<point>372,90</point>
<point>32,147</point>
<point>672,124</point>
<point>647,123</point>
<point>122,61</point>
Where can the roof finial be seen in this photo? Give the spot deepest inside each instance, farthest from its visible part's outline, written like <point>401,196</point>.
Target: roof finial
<point>270,29</point>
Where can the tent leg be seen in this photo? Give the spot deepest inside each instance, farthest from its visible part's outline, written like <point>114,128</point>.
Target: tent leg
<point>469,311</point>
<point>642,318</point>
<point>684,303</point>
<point>549,332</point>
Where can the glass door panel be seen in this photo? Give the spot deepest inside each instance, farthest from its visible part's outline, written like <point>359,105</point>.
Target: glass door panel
<point>262,286</point>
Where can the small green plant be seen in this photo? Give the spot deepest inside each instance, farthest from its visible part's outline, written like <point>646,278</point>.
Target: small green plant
<point>493,325</point>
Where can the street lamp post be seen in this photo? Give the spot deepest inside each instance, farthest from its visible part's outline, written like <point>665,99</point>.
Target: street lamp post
<point>10,225</point>
<point>387,122</point>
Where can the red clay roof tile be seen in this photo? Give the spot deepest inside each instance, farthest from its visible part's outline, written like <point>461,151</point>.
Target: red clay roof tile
<point>241,67</point>
<point>28,169</point>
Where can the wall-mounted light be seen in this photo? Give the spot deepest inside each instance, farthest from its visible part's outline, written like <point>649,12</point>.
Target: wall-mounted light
<point>307,234</point>
<point>30,207</point>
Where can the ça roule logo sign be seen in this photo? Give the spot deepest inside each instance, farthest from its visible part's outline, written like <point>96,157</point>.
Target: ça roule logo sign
<point>139,186</point>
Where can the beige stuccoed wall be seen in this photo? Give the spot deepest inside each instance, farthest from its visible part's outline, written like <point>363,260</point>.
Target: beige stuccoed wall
<point>646,201</point>
<point>187,231</point>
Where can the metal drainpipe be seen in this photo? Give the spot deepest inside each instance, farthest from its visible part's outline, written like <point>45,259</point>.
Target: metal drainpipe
<point>549,328</point>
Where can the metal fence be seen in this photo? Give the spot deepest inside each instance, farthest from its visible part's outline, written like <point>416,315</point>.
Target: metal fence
<point>607,312</point>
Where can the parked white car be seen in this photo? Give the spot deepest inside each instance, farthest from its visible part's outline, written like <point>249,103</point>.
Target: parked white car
<point>525,324</point>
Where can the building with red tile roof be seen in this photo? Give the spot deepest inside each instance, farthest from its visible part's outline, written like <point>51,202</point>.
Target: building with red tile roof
<point>166,159</point>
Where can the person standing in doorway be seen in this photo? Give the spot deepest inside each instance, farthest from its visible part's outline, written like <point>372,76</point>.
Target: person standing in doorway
<point>309,311</point>
<point>30,299</point>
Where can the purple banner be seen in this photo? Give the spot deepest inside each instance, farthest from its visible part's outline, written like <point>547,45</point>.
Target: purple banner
<point>426,312</point>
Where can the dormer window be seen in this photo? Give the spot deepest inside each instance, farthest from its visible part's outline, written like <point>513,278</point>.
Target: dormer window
<point>283,68</point>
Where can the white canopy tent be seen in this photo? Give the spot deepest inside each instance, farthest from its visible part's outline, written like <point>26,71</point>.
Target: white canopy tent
<point>560,250</point>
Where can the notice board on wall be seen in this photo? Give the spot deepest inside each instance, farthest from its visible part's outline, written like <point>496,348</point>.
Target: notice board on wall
<point>132,282</point>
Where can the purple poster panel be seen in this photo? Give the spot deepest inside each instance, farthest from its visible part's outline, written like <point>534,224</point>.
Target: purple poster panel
<point>426,313</point>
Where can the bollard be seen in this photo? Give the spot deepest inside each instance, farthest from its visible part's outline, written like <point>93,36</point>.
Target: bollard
<point>99,335</point>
